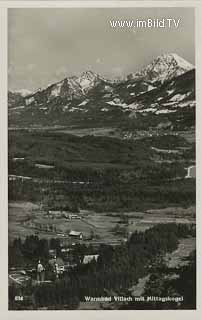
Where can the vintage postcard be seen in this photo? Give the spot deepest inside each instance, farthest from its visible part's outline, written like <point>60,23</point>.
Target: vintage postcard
<point>101,105</point>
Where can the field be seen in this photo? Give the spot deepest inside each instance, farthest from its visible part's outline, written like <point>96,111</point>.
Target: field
<point>179,257</point>
<point>175,259</point>
<point>17,213</point>
<point>26,218</point>
<point>80,132</point>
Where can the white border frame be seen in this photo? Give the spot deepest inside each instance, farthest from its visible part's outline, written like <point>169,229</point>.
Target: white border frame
<point>89,314</point>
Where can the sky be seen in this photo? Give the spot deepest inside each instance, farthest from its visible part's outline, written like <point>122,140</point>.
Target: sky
<point>46,45</point>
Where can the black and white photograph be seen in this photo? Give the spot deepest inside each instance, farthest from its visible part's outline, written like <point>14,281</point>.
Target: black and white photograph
<point>101,158</point>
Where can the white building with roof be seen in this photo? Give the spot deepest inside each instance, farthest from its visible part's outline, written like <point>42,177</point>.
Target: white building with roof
<point>76,234</point>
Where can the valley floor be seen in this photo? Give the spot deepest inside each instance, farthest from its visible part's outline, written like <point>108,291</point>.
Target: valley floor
<point>26,218</point>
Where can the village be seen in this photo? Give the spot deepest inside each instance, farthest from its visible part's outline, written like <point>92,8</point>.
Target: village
<point>72,242</point>
<point>66,234</point>
<point>58,263</point>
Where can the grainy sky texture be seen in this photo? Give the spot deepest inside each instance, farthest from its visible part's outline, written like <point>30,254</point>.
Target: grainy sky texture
<point>47,45</point>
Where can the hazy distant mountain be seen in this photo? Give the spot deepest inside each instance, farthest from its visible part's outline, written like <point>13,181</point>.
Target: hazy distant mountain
<point>23,92</point>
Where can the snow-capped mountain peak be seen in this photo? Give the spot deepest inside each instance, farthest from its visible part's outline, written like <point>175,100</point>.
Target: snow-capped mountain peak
<point>164,68</point>
<point>182,62</point>
<point>88,74</point>
<point>88,80</point>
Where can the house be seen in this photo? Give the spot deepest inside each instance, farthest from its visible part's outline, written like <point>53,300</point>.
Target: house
<point>52,253</point>
<point>76,234</point>
<point>89,258</point>
<point>72,216</point>
<point>57,265</point>
<point>66,250</point>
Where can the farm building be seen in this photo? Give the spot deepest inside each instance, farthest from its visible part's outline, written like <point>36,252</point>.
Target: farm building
<point>55,213</point>
<point>89,258</point>
<point>76,234</point>
<point>72,216</point>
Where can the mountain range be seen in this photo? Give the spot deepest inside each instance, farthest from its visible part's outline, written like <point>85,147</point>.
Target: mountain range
<point>160,95</point>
